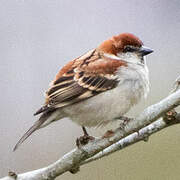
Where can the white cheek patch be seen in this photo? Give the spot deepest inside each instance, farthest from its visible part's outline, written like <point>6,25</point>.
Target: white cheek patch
<point>129,57</point>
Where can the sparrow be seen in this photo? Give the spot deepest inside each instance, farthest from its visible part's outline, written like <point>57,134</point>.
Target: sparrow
<point>97,87</point>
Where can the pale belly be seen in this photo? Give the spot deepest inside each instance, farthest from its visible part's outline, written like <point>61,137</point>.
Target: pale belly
<point>105,107</point>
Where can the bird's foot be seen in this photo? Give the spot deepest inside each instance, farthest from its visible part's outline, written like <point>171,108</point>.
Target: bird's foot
<point>125,120</point>
<point>83,140</point>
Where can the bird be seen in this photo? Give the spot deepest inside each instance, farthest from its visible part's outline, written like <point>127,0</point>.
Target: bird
<point>97,87</point>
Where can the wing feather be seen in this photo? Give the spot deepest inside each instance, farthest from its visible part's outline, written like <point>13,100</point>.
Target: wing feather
<point>80,79</point>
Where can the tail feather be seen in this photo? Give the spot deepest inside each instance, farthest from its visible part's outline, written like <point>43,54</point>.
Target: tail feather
<point>36,126</point>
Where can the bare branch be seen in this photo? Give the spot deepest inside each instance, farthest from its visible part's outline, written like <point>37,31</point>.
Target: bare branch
<point>72,160</point>
<point>142,135</point>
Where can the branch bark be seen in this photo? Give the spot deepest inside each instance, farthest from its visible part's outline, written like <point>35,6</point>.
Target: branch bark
<point>145,124</point>
<point>142,135</point>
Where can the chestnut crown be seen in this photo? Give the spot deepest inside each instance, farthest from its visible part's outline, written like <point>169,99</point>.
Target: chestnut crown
<point>122,43</point>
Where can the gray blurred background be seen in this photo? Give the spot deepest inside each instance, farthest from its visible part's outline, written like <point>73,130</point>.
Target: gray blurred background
<point>38,37</point>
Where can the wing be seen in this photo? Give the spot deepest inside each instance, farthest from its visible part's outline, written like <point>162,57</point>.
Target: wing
<point>80,79</point>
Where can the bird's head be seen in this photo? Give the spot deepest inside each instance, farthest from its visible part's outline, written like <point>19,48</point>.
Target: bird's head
<point>125,46</point>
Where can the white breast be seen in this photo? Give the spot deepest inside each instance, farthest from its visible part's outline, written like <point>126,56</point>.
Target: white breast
<point>105,107</point>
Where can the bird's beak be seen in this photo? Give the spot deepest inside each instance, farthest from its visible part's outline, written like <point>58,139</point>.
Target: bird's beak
<point>145,50</point>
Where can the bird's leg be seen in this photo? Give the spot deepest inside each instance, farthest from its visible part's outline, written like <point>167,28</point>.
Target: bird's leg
<point>85,131</point>
<point>83,140</point>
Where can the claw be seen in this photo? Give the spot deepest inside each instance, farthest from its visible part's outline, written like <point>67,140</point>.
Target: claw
<point>125,120</point>
<point>83,140</point>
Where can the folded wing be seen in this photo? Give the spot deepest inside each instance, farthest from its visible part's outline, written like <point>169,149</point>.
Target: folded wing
<point>80,79</point>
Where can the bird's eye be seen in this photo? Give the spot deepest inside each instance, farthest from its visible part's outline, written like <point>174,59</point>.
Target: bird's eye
<point>129,49</point>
